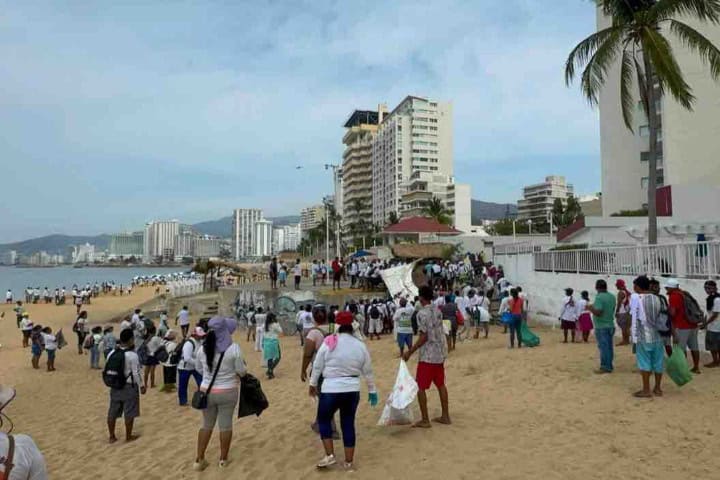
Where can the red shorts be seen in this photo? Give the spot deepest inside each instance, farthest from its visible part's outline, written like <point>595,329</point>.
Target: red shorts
<point>429,373</point>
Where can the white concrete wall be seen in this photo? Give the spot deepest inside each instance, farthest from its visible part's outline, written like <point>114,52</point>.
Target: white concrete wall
<point>545,290</point>
<point>463,207</point>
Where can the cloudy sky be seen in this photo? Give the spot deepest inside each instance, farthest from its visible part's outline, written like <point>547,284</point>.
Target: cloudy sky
<point>114,113</point>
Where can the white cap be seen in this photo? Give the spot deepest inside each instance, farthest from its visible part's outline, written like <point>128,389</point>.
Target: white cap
<point>672,283</point>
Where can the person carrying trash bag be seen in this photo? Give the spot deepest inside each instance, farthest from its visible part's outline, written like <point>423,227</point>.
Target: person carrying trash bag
<point>341,360</point>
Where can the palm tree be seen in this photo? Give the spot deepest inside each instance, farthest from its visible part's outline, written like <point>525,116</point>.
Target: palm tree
<point>437,211</point>
<point>638,34</point>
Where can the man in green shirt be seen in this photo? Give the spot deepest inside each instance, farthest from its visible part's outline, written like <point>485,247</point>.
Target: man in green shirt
<point>603,310</point>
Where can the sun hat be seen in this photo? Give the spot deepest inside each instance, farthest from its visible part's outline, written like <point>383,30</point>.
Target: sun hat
<point>344,318</point>
<point>6,396</point>
<point>672,283</point>
<point>223,328</point>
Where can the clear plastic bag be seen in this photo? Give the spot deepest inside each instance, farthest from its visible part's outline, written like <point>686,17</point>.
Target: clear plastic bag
<point>398,406</point>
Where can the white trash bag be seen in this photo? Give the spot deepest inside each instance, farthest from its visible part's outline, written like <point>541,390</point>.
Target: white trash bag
<point>398,406</point>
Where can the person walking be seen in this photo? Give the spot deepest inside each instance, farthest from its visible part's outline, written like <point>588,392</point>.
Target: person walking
<point>273,273</point>
<point>170,365</point>
<point>712,323</point>
<point>685,333</point>
<point>125,401</point>
<point>568,315</point>
<point>81,329</point>
<point>433,353</point>
<point>622,311</point>
<point>271,345</point>
<point>584,319</point>
<point>222,364</point>
<point>402,325</point>
<point>516,306</point>
<point>603,311</point>
<point>260,318</point>
<point>337,273</point>
<point>450,313</point>
<point>26,326</point>
<point>297,273</point>
<point>341,361</point>
<point>188,366</point>
<point>649,346</point>
<point>51,346</point>
<point>183,318</point>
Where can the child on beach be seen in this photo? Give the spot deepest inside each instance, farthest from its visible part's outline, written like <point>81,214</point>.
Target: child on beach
<point>97,337</point>
<point>37,345</point>
<point>568,315</point>
<point>584,321</point>
<point>109,342</point>
<point>282,276</point>
<point>51,346</point>
<point>271,344</point>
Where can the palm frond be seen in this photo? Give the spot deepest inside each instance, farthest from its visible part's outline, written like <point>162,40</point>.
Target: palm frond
<point>665,66</point>
<point>698,43</point>
<point>703,10</point>
<point>584,50</point>
<point>597,67</point>
<point>626,98</point>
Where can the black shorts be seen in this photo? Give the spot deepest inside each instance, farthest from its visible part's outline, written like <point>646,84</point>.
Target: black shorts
<point>124,402</point>
<point>567,325</point>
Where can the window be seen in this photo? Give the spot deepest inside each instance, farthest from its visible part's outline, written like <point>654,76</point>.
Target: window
<point>645,157</point>
<point>399,128</point>
<point>644,182</point>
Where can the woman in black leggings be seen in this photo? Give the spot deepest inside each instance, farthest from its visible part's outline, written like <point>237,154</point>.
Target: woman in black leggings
<point>80,329</point>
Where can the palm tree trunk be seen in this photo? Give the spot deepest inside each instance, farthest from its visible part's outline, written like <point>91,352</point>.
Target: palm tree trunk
<point>652,154</point>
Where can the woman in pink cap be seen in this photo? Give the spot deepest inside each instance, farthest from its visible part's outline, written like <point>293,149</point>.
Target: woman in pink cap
<point>222,364</point>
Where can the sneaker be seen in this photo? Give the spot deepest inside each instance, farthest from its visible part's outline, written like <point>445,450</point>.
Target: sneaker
<point>327,461</point>
<point>200,466</point>
<point>348,466</point>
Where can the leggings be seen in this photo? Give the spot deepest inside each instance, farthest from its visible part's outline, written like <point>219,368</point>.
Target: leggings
<point>220,409</point>
<point>515,330</point>
<point>330,403</point>
<point>81,339</point>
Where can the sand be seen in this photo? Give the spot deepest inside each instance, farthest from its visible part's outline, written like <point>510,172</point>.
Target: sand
<point>535,413</point>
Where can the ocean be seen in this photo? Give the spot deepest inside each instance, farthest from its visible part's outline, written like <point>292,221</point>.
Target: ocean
<point>17,279</point>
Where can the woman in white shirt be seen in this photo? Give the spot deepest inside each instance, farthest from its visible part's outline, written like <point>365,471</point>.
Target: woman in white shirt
<point>584,320</point>
<point>220,357</point>
<point>568,315</point>
<point>341,361</point>
<point>271,344</point>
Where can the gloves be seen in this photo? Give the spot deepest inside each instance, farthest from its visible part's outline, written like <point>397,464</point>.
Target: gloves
<point>373,398</point>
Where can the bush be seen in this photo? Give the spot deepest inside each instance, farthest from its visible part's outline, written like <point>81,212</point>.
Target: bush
<point>631,213</point>
<point>570,246</point>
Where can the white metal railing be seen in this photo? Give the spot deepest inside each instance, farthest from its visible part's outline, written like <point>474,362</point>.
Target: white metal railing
<point>682,260</point>
<point>516,249</point>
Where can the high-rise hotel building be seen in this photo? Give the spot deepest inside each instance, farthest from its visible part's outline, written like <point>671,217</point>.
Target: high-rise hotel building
<point>243,232</point>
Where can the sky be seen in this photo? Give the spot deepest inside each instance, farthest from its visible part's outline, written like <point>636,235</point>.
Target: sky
<point>116,113</point>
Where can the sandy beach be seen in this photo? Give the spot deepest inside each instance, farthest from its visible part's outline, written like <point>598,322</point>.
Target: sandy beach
<point>532,413</point>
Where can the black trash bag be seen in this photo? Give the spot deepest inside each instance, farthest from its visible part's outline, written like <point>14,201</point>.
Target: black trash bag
<point>252,399</point>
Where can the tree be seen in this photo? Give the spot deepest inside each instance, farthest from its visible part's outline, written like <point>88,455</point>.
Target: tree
<point>437,211</point>
<point>573,211</point>
<point>393,218</point>
<point>557,213</point>
<point>646,57</point>
<point>225,253</point>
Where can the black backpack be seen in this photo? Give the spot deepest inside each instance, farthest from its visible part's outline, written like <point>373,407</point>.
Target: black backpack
<point>414,322</point>
<point>374,312</point>
<point>143,353</point>
<point>161,354</point>
<point>114,372</point>
<point>176,355</point>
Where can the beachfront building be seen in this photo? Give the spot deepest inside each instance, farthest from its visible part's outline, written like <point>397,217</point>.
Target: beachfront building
<point>9,258</point>
<point>206,246</point>
<point>262,238</point>
<point>417,230</point>
<point>310,217</point>
<point>538,199</point>
<point>243,232</point>
<point>285,238</point>
<point>81,253</point>
<point>688,141</point>
<point>160,240</point>
<point>357,173</point>
<point>124,245</point>
<point>415,136</point>
<point>423,186</point>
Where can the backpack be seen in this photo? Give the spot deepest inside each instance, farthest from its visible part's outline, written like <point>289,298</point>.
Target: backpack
<point>143,354</point>
<point>147,323</point>
<point>664,327</point>
<point>176,355</point>
<point>374,312</point>
<point>114,372</point>
<point>693,312</point>
<point>414,322</point>
<point>161,355</point>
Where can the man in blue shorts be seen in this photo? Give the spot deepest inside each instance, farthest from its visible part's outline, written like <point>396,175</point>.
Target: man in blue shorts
<point>649,345</point>
<point>402,320</point>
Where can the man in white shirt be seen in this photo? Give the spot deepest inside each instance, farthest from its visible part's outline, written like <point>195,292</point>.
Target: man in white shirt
<point>125,402</point>
<point>712,323</point>
<point>187,367</point>
<point>306,322</point>
<point>297,273</point>
<point>8,296</point>
<point>183,317</point>
<point>26,461</point>
<point>402,325</point>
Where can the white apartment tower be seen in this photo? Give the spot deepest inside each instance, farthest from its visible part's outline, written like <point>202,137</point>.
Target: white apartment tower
<point>262,238</point>
<point>538,199</point>
<point>688,142</point>
<point>415,136</point>
<point>244,220</point>
<point>160,239</point>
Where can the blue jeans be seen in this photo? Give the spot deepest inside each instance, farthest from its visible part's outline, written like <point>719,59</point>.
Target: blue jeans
<point>514,326</point>
<point>183,382</point>
<point>604,337</point>
<point>94,357</point>
<point>330,403</point>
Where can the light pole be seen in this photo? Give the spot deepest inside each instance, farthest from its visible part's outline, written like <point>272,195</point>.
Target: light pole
<point>550,221</point>
<point>529,226</point>
<point>514,237</point>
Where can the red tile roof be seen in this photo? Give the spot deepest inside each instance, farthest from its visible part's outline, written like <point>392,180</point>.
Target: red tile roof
<point>420,225</point>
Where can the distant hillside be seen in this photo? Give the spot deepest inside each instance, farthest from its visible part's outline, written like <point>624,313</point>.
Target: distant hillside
<point>55,243</point>
<point>491,211</point>
<point>223,226</point>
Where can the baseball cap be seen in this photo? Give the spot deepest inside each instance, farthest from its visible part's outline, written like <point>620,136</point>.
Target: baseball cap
<point>672,283</point>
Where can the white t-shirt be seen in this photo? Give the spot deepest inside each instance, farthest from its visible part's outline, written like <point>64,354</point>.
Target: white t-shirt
<point>125,325</point>
<point>189,355</point>
<point>297,271</point>
<point>260,321</point>
<point>183,318</point>
<point>569,309</point>
<point>342,367</point>
<point>403,320</point>
<point>715,325</point>
<point>232,365</point>
<point>8,295</point>
<point>50,341</point>
<point>504,305</point>
<point>274,332</point>
<point>307,320</point>
<point>28,462</point>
